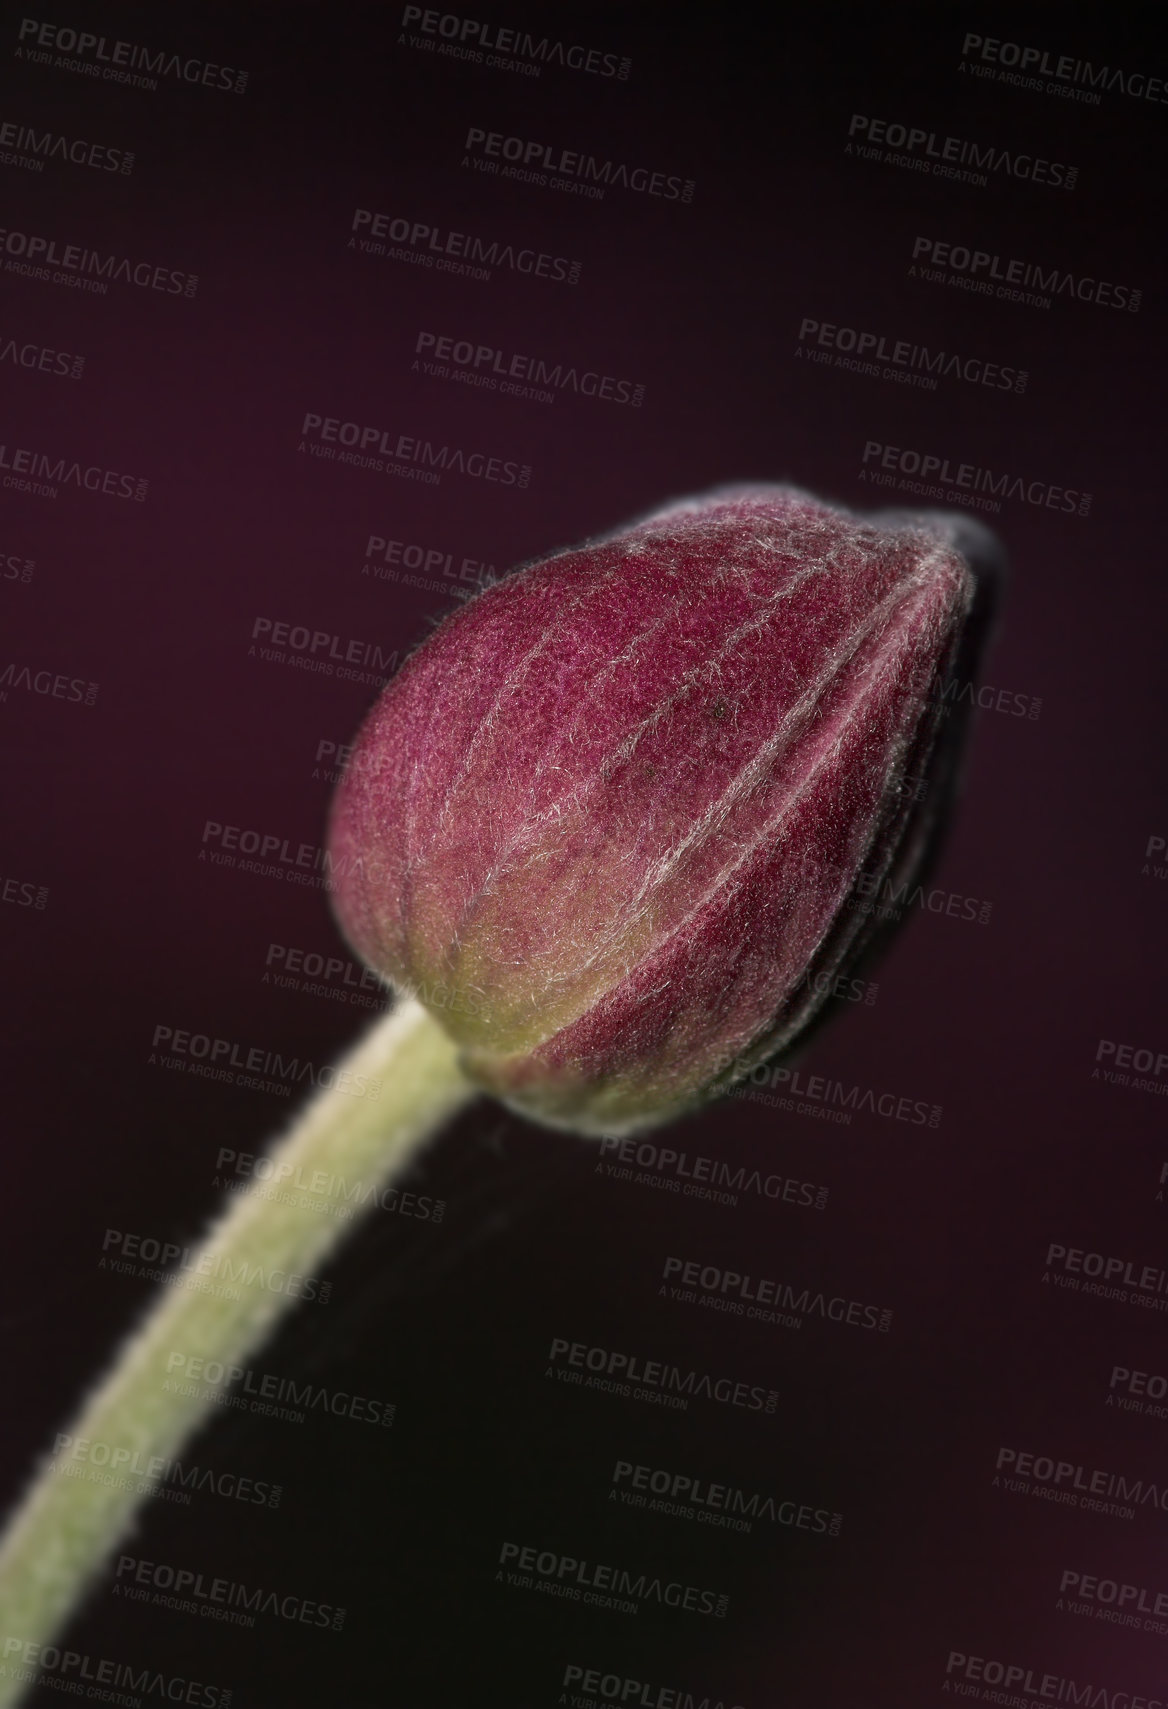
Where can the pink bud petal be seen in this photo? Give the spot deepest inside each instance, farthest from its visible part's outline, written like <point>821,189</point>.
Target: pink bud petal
<point>618,804</point>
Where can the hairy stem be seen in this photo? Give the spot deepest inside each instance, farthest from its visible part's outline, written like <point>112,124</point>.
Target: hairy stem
<point>394,1090</point>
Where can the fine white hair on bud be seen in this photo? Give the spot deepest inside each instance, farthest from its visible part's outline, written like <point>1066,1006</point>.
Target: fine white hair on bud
<point>619,806</point>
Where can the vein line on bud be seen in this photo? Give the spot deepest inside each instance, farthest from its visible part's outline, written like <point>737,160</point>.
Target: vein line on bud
<point>621,803</point>
<point>793,723</point>
<point>593,953</point>
<point>508,686</point>
<point>527,832</point>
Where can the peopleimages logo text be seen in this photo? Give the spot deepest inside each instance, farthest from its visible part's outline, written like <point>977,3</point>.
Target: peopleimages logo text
<point>191,1591</point>
<point>751,1296</point>
<point>41,472</point>
<point>31,148</point>
<point>1017,1678</point>
<point>1144,1060</point>
<point>178,1263</point>
<point>927,363</point>
<point>73,1455</point>
<point>271,847</point>
<point>976,268</point>
<point>635,1377</point>
<point>70,1667</point>
<point>603,1688</point>
<point>265,1392</point>
<point>1078,1482</point>
<point>1117,1270</point>
<point>109,58</point>
<point>468,38</point>
<point>487,364</point>
<point>1064,67</point>
<point>529,159</point>
<point>41,357</point>
<point>682,1495</point>
<point>778,1087</point>
<point>364,446</point>
<point>57,685</point>
<point>926,145</point>
<point>570,1576</point>
<point>34,256</point>
<point>434,246</point>
<point>695,1176</point>
<point>993,485</point>
<point>1111,1592</point>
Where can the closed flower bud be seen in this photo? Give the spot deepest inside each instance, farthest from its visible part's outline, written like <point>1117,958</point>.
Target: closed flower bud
<point>614,820</point>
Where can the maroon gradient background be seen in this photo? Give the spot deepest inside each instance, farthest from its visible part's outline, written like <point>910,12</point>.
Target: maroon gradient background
<point>999,1024</point>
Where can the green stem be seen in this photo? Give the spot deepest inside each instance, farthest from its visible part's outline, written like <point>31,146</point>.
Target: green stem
<point>66,1527</point>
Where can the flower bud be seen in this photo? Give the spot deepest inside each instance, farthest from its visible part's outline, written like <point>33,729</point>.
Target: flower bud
<point>614,820</point>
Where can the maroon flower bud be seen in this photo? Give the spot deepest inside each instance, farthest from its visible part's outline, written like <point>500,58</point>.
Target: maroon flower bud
<point>612,820</point>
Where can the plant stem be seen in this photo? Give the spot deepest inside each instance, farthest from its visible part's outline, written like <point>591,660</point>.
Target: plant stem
<point>221,1307</point>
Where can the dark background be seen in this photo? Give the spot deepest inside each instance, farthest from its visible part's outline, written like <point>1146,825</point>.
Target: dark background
<point>998,1023</point>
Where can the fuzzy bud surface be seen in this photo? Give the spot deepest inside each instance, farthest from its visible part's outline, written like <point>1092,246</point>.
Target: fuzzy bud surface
<point>611,818</point>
